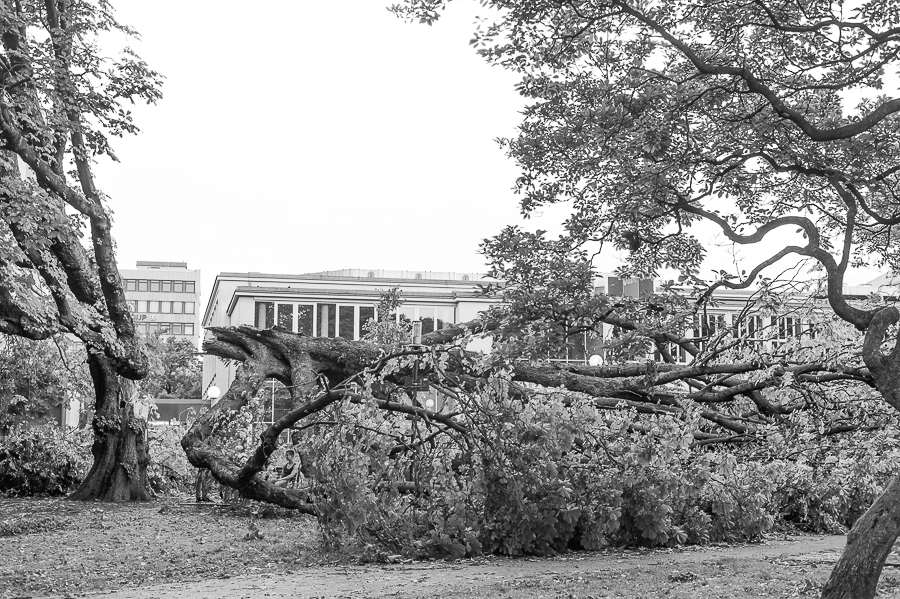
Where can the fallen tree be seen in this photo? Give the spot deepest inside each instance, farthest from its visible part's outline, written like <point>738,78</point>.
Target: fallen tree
<point>714,391</point>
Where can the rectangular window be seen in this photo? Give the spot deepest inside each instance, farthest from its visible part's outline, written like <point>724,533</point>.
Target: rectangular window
<point>189,287</point>
<point>346,324</point>
<point>366,313</point>
<point>132,305</point>
<point>751,326</point>
<point>188,307</point>
<point>789,326</point>
<point>152,328</point>
<point>178,286</point>
<point>177,328</point>
<point>164,328</point>
<point>326,317</point>
<point>153,307</point>
<point>265,315</point>
<point>165,307</point>
<point>286,316</point>
<point>444,318</point>
<point>142,306</point>
<point>593,344</point>
<point>130,285</point>
<point>177,307</point>
<point>616,286</point>
<point>166,286</point>
<point>142,285</point>
<point>577,343</point>
<point>142,328</point>
<point>426,315</point>
<point>305,320</point>
<point>154,286</point>
<point>407,313</point>
<point>706,325</point>
<point>188,328</point>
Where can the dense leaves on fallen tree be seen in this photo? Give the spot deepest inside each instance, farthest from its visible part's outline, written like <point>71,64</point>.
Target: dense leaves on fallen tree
<point>521,455</point>
<point>42,460</point>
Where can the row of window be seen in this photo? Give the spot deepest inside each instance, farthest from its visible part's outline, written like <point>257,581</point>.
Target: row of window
<point>341,320</point>
<point>155,307</point>
<point>756,329</point>
<point>166,328</point>
<point>160,286</point>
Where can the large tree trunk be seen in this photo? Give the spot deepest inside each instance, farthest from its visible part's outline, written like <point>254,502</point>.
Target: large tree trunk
<point>874,534</point>
<point>856,574</point>
<point>119,472</point>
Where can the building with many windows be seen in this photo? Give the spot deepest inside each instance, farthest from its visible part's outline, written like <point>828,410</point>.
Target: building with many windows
<point>164,298</point>
<point>338,304</point>
<point>334,304</point>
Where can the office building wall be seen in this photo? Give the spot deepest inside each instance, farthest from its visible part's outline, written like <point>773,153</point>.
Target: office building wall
<point>164,298</point>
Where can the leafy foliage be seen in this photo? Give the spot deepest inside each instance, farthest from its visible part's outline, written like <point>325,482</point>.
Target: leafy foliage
<point>169,472</point>
<point>42,460</point>
<point>36,376</point>
<point>540,477</point>
<point>175,369</point>
<point>386,328</point>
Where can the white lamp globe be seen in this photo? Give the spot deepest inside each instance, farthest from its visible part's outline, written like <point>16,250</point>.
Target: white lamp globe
<point>213,393</point>
<point>595,360</point>
<point>429,403</point>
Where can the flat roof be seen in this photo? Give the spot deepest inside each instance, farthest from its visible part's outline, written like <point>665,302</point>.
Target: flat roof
<point>378,276</point>
<point>156,264</point>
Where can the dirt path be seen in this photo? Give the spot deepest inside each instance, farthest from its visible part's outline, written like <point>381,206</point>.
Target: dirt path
<point>718,570</point>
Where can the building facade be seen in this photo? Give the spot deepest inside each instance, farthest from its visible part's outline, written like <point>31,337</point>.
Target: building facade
<point>164,298</point>
<point>334,304</point>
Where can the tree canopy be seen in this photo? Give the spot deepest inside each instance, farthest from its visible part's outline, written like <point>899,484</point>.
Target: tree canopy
<point>175,369</point>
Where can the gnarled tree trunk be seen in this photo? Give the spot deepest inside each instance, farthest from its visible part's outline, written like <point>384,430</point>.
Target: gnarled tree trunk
<point>874,534</point>
<point>868,545</point>
<point>119,472</point>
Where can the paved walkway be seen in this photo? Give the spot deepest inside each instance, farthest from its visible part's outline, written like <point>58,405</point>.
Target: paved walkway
<point>433,578</point>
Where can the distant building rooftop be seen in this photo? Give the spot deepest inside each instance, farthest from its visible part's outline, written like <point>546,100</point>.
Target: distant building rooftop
<point>155,264</point>
<point>366,273</point>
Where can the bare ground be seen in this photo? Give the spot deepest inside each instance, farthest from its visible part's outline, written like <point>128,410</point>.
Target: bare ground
<point>169,550</point>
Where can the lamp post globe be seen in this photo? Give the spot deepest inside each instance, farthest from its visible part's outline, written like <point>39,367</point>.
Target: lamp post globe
<point>213,393</point>
<point>595,360</point>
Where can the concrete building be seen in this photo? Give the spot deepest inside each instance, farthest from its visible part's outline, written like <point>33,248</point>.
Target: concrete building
<point>164,298</point>
<point>334,304</point>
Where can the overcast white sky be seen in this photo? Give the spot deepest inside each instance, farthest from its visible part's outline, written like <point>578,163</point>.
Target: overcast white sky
<point>296,137</point>
<point>302,136</point>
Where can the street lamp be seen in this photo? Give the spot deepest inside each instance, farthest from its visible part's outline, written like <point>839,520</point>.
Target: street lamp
<point>595,360</point>
<point>213,394</point>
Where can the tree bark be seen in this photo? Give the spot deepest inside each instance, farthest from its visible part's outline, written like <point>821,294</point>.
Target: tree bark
<point>119,472</point>
<point>874,534</point>
<point>870,541</point>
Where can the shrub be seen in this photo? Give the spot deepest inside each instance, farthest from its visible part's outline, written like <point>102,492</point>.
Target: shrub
<point>43,460</point>
<point>825,487</point>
